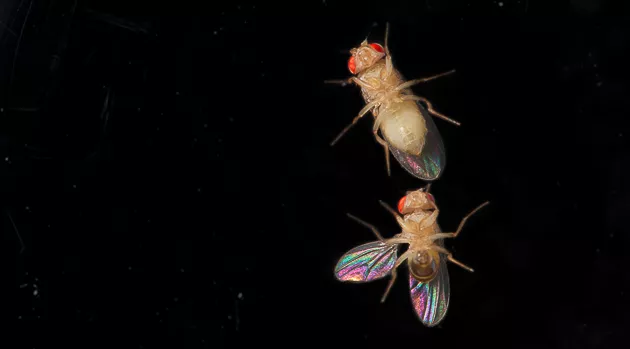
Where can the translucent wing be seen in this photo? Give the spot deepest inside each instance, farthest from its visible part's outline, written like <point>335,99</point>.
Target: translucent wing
<point>367,262</point>
<point>430,299</point>
<point>430,164</point>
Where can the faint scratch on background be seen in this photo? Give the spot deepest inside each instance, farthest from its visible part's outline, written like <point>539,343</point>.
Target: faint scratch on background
<point>237,319</point>
<point>7,28</point>
<point>17,48</point>
<point>17,232</point>
<point>119,22</point>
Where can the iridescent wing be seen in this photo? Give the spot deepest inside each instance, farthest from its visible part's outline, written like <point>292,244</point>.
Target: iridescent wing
<point>430,164</point>
<point>430,299</point>
<point>367,262</point>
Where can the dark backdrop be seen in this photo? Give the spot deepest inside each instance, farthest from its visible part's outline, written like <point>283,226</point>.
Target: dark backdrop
<point>167,169</point>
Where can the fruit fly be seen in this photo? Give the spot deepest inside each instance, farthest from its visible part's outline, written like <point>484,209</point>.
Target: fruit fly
<point>406,126</point>
<point>426,256</point>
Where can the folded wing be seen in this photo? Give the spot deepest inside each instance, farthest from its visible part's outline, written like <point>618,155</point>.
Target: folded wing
<point>430,299</point>
<point>430,164</point>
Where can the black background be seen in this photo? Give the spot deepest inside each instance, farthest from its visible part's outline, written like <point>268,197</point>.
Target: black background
<point>167,168</point>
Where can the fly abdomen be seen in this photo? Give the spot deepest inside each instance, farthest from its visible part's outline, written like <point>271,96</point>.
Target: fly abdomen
<point>403,126</point>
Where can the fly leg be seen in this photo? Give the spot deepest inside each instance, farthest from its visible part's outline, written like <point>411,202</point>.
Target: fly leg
<point>389,66</point>
<point>390,209</point>
<point>343,83</point>
<point>386,38</point>
<point>362,83</point>
<point>426,189</point>
<point>382,142</point>
<point>401,259</point>
<point>450,258</point>
<point>393,240</point>
<point>390,284</point>
<point>406,85</point>
<point>461,225</point>
<point>463,222</point>
<point>346,82</point>
<point>430,108</point>
<point>367,225</point>
<point>430,220</point>
<point>363,111</point>
<point>386,147</point>
<point>399,219</point>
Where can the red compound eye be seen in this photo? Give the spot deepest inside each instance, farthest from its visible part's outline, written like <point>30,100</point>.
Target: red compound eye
<point>352,66</point>
<point>401,204</point>
<point>430,197</point>
<point>377,47</point>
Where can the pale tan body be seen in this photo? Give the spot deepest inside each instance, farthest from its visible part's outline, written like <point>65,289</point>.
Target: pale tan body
<point>391,101</point>
<point>421,232</point>
<point>400,121</point>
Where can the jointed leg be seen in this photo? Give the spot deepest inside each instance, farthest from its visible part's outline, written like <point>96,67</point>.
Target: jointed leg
<point>389,285</point>
<point>367,225</point>
<point>461,225</point>
<point>430,220</point>
<point>451,259</point>
<point>426,189</point>
<point>460,264</point>
<point>348,81</point>
<point>385,145</point>
<point>386,38</point>
<point>399,219</point>
<point>410,83</point>
<point>342,82</point>
<point>393,240</point>
<point>362,83</point>
<point>439,236</point>
<point>389,66</point>
<point>389,208</point>
<point>363,111</point>
<point>430,108</point>
<point>401,259</point>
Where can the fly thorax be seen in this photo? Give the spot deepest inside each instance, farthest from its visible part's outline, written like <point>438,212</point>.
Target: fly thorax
<point>420,222</point>
<point>428,222</point>
<point>417,216</point>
